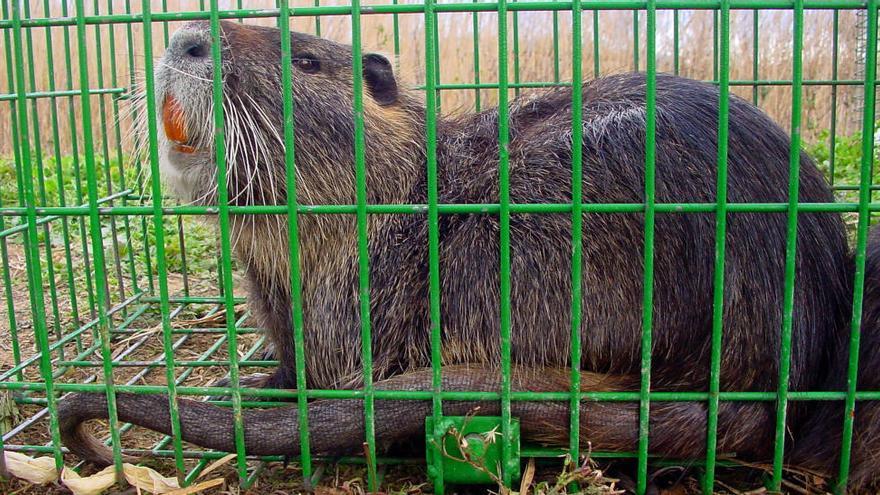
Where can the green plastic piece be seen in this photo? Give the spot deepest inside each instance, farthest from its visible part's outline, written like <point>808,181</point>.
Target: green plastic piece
<point>480,461</point>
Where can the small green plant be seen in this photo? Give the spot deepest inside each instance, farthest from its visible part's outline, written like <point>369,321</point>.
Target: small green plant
<point>847,161</point>
<point>131,240</point>
<point>845,175</point>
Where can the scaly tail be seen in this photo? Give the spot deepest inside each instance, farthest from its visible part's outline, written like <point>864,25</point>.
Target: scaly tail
<point>677,429</point>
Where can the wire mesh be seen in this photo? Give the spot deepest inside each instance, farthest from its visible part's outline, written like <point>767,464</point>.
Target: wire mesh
<point>96,251</point>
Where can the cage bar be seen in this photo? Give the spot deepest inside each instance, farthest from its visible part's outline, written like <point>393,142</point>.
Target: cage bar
<point>649,216</point>
<point>293,241</point>
<point>720,252</point>
<point>158,222</point>
<point>865,177</point>
<point>791,247</point>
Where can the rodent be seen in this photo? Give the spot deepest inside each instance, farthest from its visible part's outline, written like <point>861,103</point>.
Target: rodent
<point>613,154</point>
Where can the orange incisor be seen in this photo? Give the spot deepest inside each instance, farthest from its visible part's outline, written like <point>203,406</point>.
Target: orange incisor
<point>175,124</point>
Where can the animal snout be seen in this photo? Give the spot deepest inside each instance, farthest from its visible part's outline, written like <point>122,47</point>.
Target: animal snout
<point>192,42</point>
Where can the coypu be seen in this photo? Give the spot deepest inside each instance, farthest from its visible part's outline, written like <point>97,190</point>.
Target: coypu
<point>613,153</point>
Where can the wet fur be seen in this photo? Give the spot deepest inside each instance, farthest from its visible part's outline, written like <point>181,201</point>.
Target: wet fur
<point>540,250</point>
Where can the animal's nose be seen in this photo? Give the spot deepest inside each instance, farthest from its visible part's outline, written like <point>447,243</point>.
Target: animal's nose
<point>192,41</point>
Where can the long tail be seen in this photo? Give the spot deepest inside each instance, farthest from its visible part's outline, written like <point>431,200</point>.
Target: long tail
<point>819,443</point>
<point>677,429</point>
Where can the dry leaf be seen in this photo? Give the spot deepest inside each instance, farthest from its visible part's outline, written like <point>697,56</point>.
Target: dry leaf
<point>214,465</point>
<point>527,477</point>
<point>198,487</point>
<point>89,485</point>
<point>34,470</point>
<point>148,479</point>
<point>142,478</point>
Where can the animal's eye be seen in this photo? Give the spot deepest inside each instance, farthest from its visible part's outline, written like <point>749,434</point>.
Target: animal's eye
<point>307,64</point>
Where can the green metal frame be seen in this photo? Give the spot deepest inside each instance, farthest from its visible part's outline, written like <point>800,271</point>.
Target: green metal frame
<point>109,308</point>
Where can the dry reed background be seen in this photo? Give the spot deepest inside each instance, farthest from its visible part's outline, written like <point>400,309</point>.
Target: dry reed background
<point>536,56</point>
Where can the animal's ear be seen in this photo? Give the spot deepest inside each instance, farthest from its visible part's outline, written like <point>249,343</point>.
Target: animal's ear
<point>380,79</point>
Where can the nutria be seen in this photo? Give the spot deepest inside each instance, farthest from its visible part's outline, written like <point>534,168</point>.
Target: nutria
<point>614,122</point>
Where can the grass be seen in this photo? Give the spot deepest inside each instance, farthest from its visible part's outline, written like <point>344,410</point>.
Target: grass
<point>135,246</point>
<point>846,170</point>
<point>847,160</point>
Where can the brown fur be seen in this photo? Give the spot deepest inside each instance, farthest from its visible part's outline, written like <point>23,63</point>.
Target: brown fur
<point>540,253</point>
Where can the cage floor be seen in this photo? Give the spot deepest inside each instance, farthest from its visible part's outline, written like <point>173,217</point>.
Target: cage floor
<point>199,336</point>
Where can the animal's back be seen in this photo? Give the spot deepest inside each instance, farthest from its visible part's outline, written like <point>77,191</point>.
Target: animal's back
<point>613,247</point>
<point>613,243</point>
<point>614,142</point>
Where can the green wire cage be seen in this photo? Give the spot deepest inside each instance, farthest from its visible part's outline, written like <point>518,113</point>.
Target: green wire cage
<point>110,287</point>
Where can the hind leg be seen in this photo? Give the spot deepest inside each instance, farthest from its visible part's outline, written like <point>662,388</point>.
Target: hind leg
<point>255,380</point>
<point>277,379</point>
<point>282,377</point>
